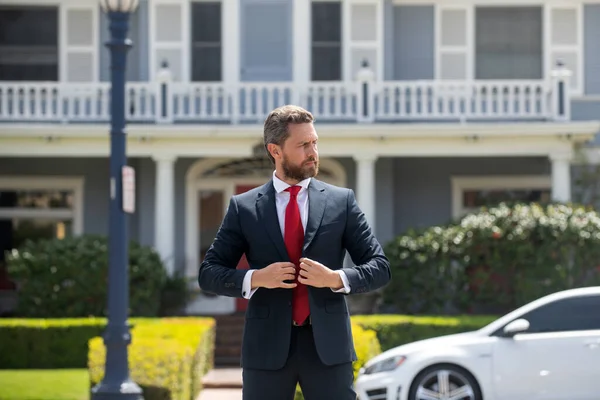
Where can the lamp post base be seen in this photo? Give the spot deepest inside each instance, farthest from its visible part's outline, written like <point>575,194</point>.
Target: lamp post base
<point>128,390</point>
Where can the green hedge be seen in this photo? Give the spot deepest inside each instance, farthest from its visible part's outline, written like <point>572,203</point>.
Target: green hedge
<point>167,357</point>
<point>47,343</point>
<point>52,343</point>
<point>395,330</point>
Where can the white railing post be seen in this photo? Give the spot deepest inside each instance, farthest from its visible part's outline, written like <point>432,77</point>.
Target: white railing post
<point>561,92</point>
<point>365,78</point>
<point>164,109</point>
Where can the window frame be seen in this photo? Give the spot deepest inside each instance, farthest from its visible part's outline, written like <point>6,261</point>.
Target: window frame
<point>492,182</point>
<point>206,45</point>
<point>510,8</point>
<point>549,48</point>
<point>326,44</point>
<point>75,184</point>
<point>56,8</point>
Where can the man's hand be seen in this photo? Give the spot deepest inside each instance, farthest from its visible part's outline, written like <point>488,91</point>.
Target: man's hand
<point>315,274</point>
<point>274,275</point>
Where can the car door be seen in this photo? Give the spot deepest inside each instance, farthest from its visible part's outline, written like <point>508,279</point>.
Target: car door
<point>557,358</point>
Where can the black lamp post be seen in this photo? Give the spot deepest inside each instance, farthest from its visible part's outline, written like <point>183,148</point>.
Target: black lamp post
<point>116,383</point>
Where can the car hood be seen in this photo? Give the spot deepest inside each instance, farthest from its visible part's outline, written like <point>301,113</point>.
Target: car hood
<point>441,341</point>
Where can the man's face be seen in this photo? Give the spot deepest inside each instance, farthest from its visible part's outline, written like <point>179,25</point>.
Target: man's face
<point>300,157</point>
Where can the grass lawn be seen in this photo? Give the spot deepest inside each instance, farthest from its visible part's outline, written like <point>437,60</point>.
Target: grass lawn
<point>57,384</point>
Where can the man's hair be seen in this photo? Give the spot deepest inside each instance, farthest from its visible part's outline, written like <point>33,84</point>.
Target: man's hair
<point>277,122</point>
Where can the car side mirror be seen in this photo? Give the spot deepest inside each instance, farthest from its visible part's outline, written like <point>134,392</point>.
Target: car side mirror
<point>517,326</point>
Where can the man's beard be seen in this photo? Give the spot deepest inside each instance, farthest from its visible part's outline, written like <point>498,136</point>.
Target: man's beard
<point>300,172</point>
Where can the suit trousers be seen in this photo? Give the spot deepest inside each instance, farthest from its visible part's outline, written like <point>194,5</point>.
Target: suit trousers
<point>317,380</point>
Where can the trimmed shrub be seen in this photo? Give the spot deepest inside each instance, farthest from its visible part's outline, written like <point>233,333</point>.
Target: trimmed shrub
<point>69,278</point>
<point>47,343</point>
<point>63,343</point>
<point>167,357</point>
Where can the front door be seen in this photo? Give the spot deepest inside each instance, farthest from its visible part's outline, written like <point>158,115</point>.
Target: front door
<point>241,303</point>
<point>266,38</point>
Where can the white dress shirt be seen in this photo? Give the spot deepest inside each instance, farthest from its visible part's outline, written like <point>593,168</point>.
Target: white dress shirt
<point>281,200</point>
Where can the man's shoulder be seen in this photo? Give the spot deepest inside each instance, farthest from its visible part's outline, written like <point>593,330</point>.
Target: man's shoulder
<point>252,194</point>
<point>332,190</point>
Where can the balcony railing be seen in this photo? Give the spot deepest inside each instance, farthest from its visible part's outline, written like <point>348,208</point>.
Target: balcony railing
<point>363,100</point>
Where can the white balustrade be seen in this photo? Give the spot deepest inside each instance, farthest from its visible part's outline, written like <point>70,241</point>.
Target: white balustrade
<point>358,101</point>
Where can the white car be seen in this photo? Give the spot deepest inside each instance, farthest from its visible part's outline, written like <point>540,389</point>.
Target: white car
<point>548,349</point>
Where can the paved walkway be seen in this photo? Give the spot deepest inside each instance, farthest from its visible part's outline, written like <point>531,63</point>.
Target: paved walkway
<point>222,384</point>
<point>221,394</point>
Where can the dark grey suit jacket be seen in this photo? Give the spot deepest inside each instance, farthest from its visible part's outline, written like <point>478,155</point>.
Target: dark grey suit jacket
<point>335,223</point>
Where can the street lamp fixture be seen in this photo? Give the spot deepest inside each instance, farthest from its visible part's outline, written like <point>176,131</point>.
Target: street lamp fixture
<point>116,383</point>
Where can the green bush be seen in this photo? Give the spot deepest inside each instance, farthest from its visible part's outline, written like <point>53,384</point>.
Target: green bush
<point>47,343</point>
<point>396,330</point>
<point>69,278</point>
<point>167,357</point>
<point>495,260</point>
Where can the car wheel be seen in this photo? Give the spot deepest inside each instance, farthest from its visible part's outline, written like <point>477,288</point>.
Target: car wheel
<point>444,381</point>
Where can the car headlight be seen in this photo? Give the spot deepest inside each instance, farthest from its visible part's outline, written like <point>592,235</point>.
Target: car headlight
<point>389,364</point>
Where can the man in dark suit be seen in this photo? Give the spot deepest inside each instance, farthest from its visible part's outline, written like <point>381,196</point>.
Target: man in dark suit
<point>294,231</point>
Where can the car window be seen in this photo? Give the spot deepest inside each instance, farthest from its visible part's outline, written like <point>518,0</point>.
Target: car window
<point>572,314</point>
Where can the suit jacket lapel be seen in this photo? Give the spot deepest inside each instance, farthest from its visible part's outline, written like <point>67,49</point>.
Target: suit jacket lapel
<point>267,214</point>
<point>317,201</point>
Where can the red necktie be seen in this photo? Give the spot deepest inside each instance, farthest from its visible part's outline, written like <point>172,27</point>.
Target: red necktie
<point>294,240</point>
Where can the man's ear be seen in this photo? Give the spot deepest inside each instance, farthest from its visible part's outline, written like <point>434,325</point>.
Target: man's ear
<point>274,150</point>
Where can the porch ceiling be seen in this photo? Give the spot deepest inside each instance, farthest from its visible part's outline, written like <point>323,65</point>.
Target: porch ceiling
<point>354,140</point>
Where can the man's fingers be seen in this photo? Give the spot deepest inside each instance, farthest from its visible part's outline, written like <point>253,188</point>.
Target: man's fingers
<point>285,264</point>
<point>288,277</point>
<point>287,285</point>
<point>304,266</point>
<point>302,280</point>
<point>289,269</point>
<point>303,273</point>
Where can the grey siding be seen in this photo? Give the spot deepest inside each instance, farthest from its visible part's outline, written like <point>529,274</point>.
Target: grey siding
<point>413,42</point>
<point>586,110</point>
<point>591,49</point>
<point>137,57</point>
<point>423,191</point>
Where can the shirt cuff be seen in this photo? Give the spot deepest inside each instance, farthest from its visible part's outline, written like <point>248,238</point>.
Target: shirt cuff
<point>346,288</point>
<point>247,291</point>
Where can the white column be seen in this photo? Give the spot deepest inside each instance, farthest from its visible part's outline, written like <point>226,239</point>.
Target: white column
<point>561,176</point>
<point>302,45</point>
<point>365,185</point>
<point>164,210</point>
<point>231,21</point>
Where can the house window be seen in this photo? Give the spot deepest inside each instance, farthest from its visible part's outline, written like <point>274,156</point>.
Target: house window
<point>326,41</point>
<point>28,43</point>
<point>508,43</point>
<point>206,42</point>
<point>38,208</point>
<point>469,194</point>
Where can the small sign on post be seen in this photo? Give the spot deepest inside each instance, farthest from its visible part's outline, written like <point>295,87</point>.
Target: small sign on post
<point>128,189</point>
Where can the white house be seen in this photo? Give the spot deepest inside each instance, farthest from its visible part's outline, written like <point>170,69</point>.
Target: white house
<point>425,108</point>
